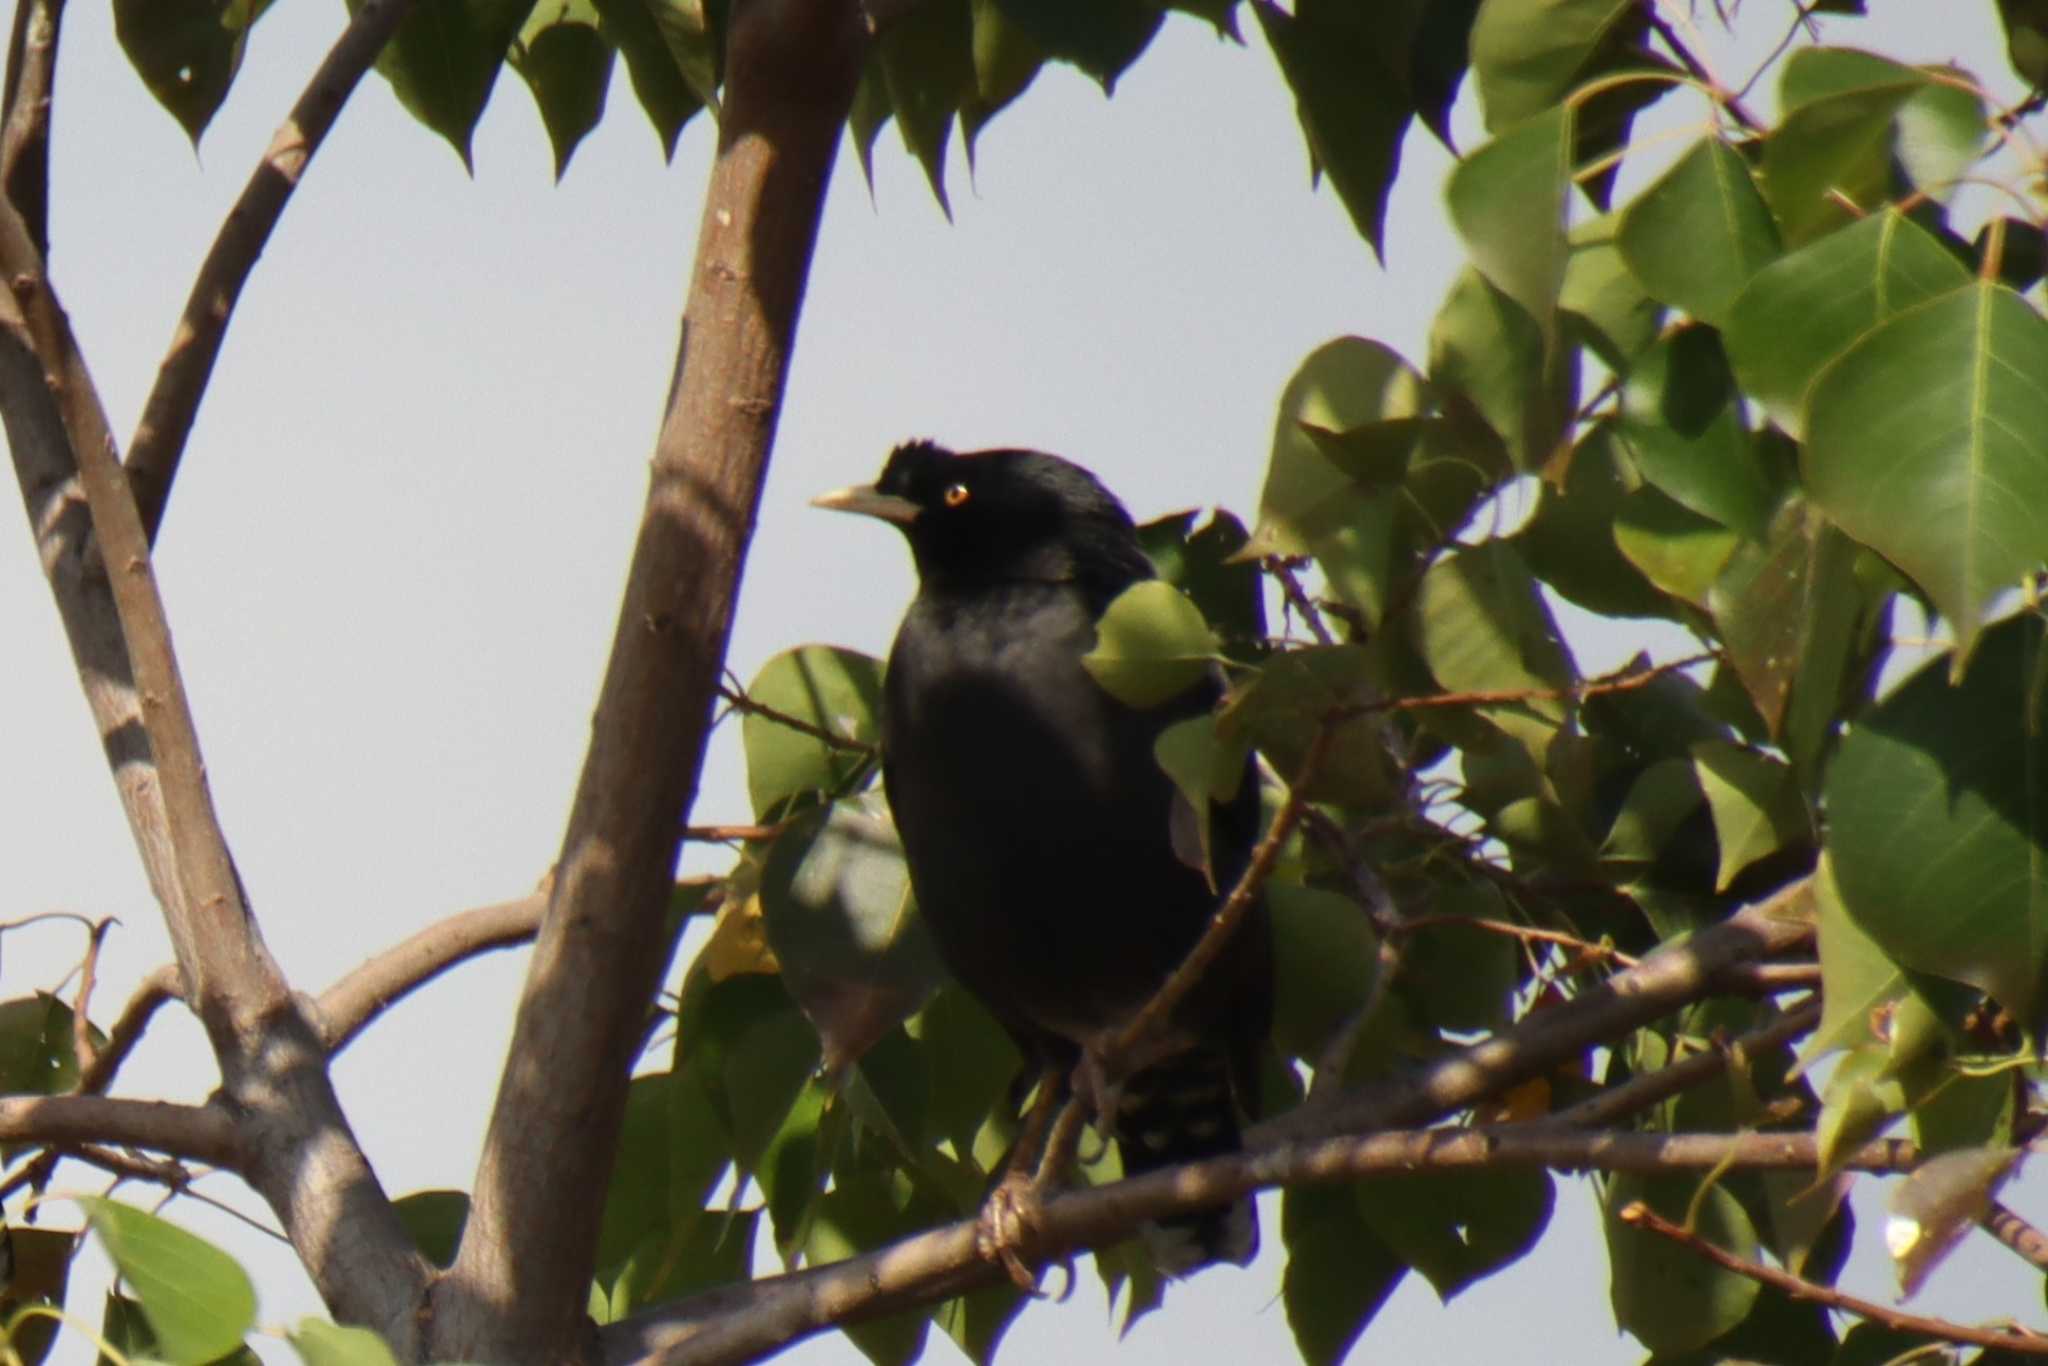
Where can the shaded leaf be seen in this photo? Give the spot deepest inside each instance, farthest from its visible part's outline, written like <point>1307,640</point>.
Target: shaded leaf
<point>567,64</point>
<point>1755,802</point>
<point>1938,1202</point>
<point>186,51</point>
<point>321,1343</point>
<point>444,59</point>
<point>667,96</point>
<point>927,64</point>
<point>1102,37</point>
<point>1338,1271</point>
<point>1459,1227</point>
<point>835,897</point>
<point>1507,200</point>
<point>1324,959</point>
<point>1937,806</point>
<point>1665,1294</point>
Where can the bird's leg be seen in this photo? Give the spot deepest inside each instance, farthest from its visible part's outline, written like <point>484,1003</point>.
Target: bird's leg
<point>1007,1216</point>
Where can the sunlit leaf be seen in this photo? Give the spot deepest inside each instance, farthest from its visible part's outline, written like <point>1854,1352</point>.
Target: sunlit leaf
<point>198,1300</point>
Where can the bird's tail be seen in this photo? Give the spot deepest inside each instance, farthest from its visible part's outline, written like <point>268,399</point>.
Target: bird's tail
<point>1181,1110</point>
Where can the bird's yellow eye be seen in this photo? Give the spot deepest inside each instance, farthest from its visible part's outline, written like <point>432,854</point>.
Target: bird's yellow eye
<point>955,495</point>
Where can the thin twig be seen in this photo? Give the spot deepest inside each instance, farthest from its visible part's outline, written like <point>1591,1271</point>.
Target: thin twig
<point>1298,599</point>
<point>747,706</point>
<point>1586,948</point>
<point>1799,1288</point>
<point>1697,69</point>
<point>82,1045</point>
<point>730,834</point>
<point>182,378</point>
<point>1224,922</point>
<point>25,137</point>
<point>163,983</point>
<point>1640,1092</point>
<point>1623,680</point>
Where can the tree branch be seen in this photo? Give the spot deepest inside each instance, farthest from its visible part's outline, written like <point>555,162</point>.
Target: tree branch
<point>25,114</point>
<point>1650,1088</point>
<point>200,1133</point>
<point>1799,1288</point>
<point>163,983</point>
<point>354,1003</point>
<point>2017,1234</point>
<point>1667,979</point>
<point>516,1292</point>
<point>296,1147</point>
<point>748,1320</point>
<point>182,378</point>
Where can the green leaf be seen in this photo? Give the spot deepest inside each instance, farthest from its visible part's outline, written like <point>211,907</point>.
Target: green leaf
<point>1348,101</point>
<point>1209,566</point>
<point>1461,976</point>
<point>1295,694</point>
<point>1151,644</point>
<point>664,92</point>
<point>927,62</point>
<point>1928,442</point>
<point>38,1265</point>
<point>2026,38</point>
<point>1804,309</point>
<point>1700,232</point>
<point>637,1203</point>
<point>1937,807</point>
<point>1859,1102</point>
<point>1667,1295</point>
<point>1484,346</point>
<point>1325,956</point>
<point>1102,37</point>
<point>835,898</point>
<point>1481,627</point>
<point>977,1320</point>
<point>321,1343</point>
<point>1830,160</point>
<point>1507,200</point>
<point>1856,979</point>
<point>1205,768</point>
<point>972,1062</point>
<point>1006,61</point>
<point>1338,1271</point>
<point>38,1049</point>
<point>197,1299</point>
<point>1681,419</point>
<point>567,64</point>
<point>435,1219</point>
<point>444,59</point>
<point>1602,297</point>
<point>1569,542</point>
<point>1459,1227</point>
<point>187,51</point>
<point>859,1213</point>
<point>1343,384</point>
<point>1528,54</point>
<point>1755,801</point>
<point>829,689</point>
<point>1791,614</point>
<point>1673,547</point>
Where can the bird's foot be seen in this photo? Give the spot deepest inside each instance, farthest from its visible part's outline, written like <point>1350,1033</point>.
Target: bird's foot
<point>1008,1226</point>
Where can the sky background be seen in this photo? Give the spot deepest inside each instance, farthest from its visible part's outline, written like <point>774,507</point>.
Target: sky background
<point>393,557</point>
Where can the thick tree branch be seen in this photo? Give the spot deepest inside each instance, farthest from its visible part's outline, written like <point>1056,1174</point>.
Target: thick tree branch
<point>295,1144</point>
<point>1799,1288</point>
<point>745,1321</point>
<point>353,1004</point>
<point>517,1290</point>
<point>181,380</point>
<point>200,1133</point>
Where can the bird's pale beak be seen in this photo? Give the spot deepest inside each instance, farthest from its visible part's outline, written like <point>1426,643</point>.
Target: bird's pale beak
<point>868,501</point>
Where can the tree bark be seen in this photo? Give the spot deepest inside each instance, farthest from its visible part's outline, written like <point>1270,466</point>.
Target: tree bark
<point>517,1291</point>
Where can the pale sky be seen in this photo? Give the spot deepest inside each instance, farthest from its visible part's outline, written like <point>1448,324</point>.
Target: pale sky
<point>392,561</point>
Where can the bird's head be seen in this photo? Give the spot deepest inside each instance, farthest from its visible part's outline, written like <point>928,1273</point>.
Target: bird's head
<point>1000,515</point>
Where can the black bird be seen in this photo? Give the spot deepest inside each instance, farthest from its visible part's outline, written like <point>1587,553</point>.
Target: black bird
<point>1057,879</point>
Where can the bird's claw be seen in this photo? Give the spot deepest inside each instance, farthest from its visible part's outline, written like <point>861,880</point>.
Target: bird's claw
<point>1007,1227</point>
